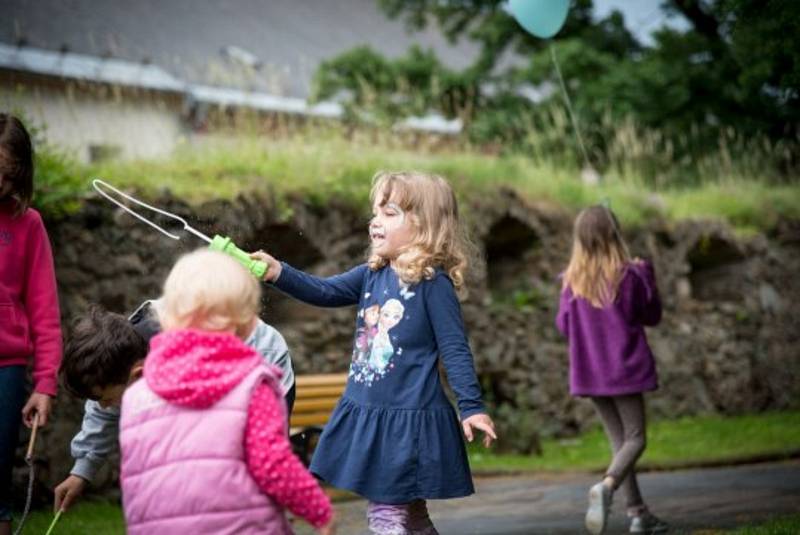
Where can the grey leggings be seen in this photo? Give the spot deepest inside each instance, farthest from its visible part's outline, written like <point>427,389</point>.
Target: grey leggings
<point>624,421</point>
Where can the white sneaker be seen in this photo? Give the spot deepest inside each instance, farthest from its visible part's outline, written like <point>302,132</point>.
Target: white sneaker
<point>599,506</point>
<point>648,523</point>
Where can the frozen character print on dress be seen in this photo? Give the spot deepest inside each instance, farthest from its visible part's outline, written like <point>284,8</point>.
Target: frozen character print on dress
<point>374,348</point>
<point>382,349</point>
<point>366,333</point>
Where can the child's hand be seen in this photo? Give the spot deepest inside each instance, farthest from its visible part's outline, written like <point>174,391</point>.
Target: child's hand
<point>482,422</point>
<point>273,266</point>
<point>40,404</point>
<point>67,492</point>
<point>329,528</point>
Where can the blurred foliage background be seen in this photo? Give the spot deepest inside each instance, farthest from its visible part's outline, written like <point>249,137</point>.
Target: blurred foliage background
<point>721,96</point>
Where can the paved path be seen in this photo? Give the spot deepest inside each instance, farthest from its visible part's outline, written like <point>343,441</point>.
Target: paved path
<point>539,504</point>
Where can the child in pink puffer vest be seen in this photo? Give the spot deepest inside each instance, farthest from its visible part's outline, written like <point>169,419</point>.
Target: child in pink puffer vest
<point>203,433</point>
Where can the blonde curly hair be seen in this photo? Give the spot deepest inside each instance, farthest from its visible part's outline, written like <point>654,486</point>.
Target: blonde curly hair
<point>438,239</point>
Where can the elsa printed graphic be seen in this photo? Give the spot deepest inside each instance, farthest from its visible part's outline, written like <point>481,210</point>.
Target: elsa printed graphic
<point>382,350</point>
<point>374,349</point>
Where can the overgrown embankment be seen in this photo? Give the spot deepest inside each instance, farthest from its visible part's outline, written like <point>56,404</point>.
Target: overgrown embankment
<point>320,167</point>
<point>727,343</point>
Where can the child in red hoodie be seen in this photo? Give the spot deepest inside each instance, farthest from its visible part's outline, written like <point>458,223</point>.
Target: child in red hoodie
<point>30,328</point>
<point>203,434</point>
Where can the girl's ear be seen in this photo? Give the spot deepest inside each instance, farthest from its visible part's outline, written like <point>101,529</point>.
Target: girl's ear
<point>136,371</point>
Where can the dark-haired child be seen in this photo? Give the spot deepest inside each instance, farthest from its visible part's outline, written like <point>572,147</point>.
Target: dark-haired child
<point>104,354</point>
<point>30,330</point>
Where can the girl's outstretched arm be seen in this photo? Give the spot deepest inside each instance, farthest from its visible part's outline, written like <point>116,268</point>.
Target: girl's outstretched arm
<point>336,291</point>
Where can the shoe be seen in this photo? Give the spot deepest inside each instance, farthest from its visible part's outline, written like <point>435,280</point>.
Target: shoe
<point>599,506</point>
<point>648,523</point>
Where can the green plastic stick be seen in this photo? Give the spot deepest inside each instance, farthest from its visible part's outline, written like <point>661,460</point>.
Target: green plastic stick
<point>54,522</point>
<point>226,245</point>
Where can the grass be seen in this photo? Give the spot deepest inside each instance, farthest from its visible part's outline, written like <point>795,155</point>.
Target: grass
<point>86,517</point>
<point>782,525</point>
<point>324,166</point>
<point>670,443</point>
<point>789,525</point>
<point>106,519</point>
<point>686,441</point>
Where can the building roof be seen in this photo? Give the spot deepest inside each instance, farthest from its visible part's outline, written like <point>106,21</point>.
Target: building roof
<point>262,101</point>
<point>266,46</point>
<point>125,73</point>
<point>91,68</point>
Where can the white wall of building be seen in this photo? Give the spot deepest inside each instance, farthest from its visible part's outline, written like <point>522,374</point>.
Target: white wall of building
<point>87,123</point>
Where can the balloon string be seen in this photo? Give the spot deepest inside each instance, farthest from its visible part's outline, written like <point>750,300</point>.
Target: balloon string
<point>569,106</point>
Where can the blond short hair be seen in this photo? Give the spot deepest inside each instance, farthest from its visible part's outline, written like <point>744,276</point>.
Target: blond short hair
<point>210,291</point>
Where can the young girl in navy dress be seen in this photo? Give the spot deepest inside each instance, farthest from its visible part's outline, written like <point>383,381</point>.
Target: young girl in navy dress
<point>607,299</point>
<point>394,438</point>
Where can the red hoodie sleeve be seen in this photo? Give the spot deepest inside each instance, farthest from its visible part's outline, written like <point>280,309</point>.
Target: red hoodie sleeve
<point>41,304</point>
<point>271,462</point>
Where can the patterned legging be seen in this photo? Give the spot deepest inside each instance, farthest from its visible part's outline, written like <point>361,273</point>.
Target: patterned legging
<point>405,519</point>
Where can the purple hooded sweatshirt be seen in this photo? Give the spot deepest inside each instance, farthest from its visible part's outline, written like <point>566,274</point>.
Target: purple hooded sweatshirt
<point>608,350</point>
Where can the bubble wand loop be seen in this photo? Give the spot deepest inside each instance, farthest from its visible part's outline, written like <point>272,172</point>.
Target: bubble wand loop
<point>217,243</point>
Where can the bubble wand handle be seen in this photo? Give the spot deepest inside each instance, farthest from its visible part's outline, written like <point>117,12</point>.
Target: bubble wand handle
<point>226,245</point>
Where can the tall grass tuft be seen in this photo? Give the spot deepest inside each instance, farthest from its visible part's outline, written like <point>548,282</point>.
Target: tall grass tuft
<point>321,161</point>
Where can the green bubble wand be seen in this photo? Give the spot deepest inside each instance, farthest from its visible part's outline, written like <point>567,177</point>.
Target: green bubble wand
<point>217,243</point>
<point>54,522</point>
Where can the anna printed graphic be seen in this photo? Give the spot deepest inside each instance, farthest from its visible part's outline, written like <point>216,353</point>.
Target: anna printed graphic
<point>366,333</point>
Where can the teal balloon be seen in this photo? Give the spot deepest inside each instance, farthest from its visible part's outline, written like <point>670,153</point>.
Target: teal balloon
<point>542,18</point>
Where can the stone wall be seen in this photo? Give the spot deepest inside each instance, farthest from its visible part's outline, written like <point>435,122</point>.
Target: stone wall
<point>727,343</point>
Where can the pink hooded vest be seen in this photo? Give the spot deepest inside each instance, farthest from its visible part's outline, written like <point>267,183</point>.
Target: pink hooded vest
<point>183,468</point>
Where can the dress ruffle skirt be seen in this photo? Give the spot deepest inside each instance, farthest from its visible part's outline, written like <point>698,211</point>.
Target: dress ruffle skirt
<point>394,455</point>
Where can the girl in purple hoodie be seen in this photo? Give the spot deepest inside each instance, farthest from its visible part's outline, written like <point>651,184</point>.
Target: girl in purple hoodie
<point>607,298</point>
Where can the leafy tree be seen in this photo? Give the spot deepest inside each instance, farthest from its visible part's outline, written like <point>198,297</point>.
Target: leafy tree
<point>737,68</point>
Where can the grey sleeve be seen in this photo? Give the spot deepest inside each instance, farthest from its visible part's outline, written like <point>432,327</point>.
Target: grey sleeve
<point>96,440</point>
<point>284,361</point>
<point>270,343</point>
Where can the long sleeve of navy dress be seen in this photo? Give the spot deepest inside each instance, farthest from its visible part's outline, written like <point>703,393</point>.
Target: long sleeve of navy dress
<point>394,437</point>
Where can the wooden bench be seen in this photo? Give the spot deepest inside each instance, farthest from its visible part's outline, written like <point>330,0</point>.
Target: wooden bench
<point>316,396</point>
